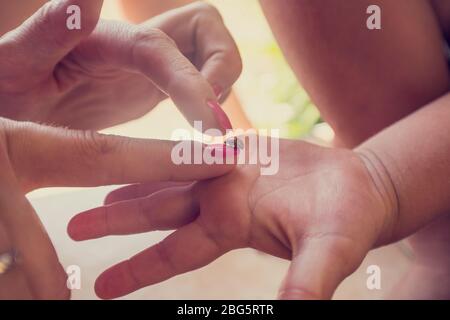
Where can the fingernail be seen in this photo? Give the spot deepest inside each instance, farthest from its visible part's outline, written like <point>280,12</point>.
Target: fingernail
<point>218,91</point>
<point>221,116</point>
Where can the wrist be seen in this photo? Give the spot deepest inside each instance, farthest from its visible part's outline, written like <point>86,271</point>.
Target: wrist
<point>383,185</point>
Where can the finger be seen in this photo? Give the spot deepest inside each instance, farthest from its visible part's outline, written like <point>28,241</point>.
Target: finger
<point>36,256</point>
<point>139,190</point>
<point>151,52</point>
<point>164,210</point>
<point>216,53</point>
<point>46,156</point>
<point>46,35</point>
<point>319,267</point>
<point>218,56</point>
<point>187,249</point>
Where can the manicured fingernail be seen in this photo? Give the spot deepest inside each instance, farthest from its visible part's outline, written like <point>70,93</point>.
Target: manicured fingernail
<point>221,116</point>
<point>218,91</point>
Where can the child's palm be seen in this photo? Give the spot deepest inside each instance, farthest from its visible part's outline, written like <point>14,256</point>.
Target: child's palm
<point>321,210</point>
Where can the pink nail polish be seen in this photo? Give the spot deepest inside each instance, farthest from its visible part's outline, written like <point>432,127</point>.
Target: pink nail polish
<point>221,116</point>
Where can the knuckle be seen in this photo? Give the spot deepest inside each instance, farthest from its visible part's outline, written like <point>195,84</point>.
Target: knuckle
<point>236,64</point>
<point>165,257</point>
<point>207,10</point>
<point>182,66</point>
<point>146,36</point>
<point>55,279</point>
<point>92,143</point>
<point>183,72</point>
<point>93,148</point>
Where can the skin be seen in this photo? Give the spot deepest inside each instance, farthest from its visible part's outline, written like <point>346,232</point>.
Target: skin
<point>409,206</point>
<point>385,181</point>
<point>72,70</point>
<point>31,157</point>
<point>442,11</point>
<point>138,11</point>
<point>214,217</point>
<point>394,76</point>
<point>324,210</point>
<point>14,13</point>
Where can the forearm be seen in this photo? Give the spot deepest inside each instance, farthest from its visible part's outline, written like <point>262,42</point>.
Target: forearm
<point>411,160</point>
<point>362,80</point>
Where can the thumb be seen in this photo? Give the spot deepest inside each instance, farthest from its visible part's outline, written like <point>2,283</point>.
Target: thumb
<point>319,267</point>
<point>52,32</point>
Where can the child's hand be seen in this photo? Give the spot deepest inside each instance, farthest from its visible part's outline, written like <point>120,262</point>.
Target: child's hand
<point>323,210</point>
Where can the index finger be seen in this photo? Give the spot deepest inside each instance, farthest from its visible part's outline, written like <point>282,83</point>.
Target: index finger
<point>47,156</point>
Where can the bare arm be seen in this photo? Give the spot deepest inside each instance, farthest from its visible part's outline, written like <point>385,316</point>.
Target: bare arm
<point>412,160</point>
<point>362,80</point>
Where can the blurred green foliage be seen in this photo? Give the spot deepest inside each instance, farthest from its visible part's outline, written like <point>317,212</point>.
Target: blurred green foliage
<point>287,90</point>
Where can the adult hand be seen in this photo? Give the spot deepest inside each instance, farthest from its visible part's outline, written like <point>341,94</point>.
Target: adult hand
<point>34,156</point>
<point>111,72</point>
<point>324,210</point>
